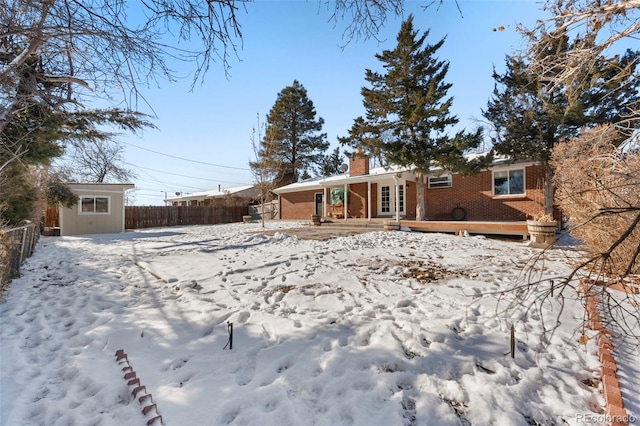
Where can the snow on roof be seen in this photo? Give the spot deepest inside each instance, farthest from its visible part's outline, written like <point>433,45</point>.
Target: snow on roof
<point>212,193</point>
<point>375,174</point>
<point>341,179</point>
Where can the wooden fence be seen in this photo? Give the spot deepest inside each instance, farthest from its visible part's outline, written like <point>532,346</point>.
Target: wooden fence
<point>270,211</point>
<point>16,244</point>
<point>136,217</point>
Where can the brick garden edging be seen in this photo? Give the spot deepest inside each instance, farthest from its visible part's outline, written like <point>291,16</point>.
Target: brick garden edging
<point>616,414</point>
<point>134,382</point>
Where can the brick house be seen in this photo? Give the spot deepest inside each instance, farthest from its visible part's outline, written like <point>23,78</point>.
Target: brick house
<point>507,191</point>
<point>239,195</point>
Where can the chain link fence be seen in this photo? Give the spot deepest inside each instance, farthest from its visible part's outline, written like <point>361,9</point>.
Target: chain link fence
<point>16,244</point>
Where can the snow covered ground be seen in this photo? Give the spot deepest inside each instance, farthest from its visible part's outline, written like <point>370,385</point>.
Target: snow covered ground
<point>382,328</point>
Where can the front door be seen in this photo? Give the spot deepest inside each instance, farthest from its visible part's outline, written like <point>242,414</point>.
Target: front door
<point>387,201</point>
<point>318,203</point>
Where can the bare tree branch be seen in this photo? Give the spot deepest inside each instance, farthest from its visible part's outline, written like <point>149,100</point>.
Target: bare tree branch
<point>603,26</point>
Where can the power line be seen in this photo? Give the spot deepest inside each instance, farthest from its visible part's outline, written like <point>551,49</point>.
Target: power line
<point>185,159</point>
<point>184,176</point>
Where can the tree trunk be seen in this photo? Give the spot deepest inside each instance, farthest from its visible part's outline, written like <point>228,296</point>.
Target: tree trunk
<point>549,190</point>
<point>420,202</point>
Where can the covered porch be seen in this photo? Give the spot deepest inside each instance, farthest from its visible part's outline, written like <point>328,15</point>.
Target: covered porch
<point>388,195</point>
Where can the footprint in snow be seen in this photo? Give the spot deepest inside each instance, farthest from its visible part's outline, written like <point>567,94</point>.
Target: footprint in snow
<point>243,317</point>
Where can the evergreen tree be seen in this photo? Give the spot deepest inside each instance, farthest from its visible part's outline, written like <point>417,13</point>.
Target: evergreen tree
<point>331,163</point>
<point>407,112</point>
<point>41,134</point>
<point>292,140</point>
<point>368,138</point>
<point>531,112</point>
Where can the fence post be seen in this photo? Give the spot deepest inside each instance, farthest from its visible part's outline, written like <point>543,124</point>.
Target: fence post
<point>513,341</point>
<point>22,242</point>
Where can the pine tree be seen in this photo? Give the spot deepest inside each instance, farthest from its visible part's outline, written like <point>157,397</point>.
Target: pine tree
<point>41,134</point>
<point>331,163</point>
<point>292,140</point>
<point>531,112</point>
<point>408,112</point>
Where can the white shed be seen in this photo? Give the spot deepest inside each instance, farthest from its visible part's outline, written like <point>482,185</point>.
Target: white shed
<point>100,209</point>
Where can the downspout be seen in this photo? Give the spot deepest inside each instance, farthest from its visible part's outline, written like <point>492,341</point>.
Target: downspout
<point>124,191</point>
<point>397,200</point>
<point>61,219</point>
<point>369,200</point>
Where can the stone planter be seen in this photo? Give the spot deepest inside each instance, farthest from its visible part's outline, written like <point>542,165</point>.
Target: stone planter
<point>391,225</point>
<point>246,219</point>
<point>542,233</point>
<point>315,219</point>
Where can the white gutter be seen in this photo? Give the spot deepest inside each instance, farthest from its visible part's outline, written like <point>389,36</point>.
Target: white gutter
<point>369,200</point>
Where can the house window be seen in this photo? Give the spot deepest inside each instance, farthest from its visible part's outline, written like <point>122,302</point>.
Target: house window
<point>95,205</point>
<point>440,181</point>
<point>386,199</point>
<point>508,182</point>
<point>401,197</point>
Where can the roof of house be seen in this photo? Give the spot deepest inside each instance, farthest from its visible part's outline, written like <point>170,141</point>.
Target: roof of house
<point>375,175</point>
<point>378,173</point>
<point>213,193</point>
<point>100,185</point>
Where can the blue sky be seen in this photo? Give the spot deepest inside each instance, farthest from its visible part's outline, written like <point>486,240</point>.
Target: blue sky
<point>287,40</point>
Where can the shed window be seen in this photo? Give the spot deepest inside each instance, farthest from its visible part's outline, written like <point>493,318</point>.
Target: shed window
<point>440,181</point>
<point>95,205</point>
<point>508,182</point>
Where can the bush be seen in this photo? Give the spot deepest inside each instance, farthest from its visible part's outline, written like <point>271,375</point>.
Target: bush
<point>598,188</point>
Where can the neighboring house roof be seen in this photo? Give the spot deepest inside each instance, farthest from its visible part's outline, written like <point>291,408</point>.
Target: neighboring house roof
<point>214,193</point>
<point>377,174</point>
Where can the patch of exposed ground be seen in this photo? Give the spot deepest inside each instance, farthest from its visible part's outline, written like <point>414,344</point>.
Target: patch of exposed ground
<point>427,272</point>
<point>321,233</point>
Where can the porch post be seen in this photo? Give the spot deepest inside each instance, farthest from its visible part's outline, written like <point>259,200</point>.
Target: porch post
<point>346,200</point>
<point>324,202</point>
<point>369,200</point>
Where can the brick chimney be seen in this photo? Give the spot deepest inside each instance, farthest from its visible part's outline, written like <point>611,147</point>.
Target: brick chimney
<point>358,164</point>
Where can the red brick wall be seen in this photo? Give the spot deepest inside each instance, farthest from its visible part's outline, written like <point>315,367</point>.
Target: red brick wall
<point>358,165</point>
<point>357,200</point>
<point>474,194</point>
<point>374,199</point>
<point>297,205</point>
<point>410,201</point>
